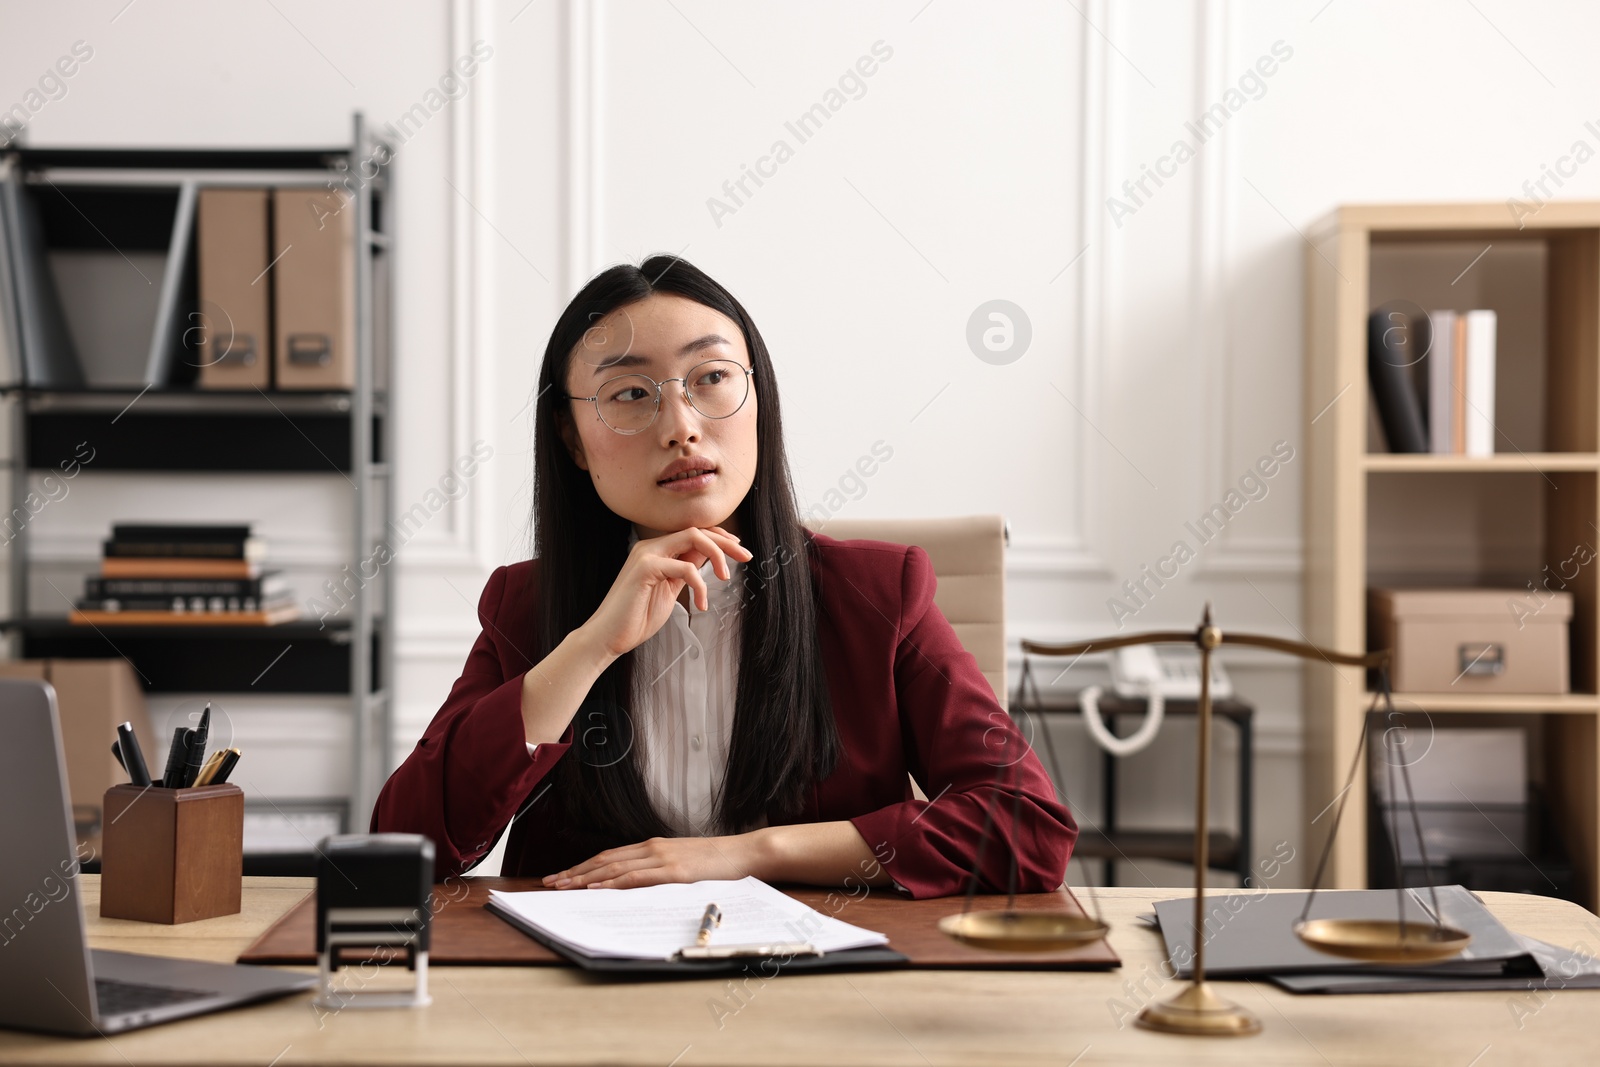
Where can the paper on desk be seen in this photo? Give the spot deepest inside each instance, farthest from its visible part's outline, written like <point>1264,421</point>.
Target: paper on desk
<point>654,922</point>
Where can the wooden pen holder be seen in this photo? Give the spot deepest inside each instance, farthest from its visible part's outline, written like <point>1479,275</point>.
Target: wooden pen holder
<point>172,855</point>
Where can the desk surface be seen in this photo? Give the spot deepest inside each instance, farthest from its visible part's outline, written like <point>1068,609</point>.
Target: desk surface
<point>546,1015</point>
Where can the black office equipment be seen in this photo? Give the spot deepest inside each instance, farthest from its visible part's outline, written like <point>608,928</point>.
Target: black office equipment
<point>374,892</point>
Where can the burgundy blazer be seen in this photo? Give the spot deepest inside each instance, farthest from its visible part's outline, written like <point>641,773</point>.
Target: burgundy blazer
<point>906,695</point>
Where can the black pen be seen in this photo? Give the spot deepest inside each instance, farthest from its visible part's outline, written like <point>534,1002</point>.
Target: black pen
<point>172,778</point>
<point>228,761</point>
<point>116,750</point>
<point>204,729</point>
<point>131,755</point>
<point>194,757</point>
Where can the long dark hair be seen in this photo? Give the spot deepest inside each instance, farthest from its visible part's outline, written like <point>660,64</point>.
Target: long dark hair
<point>784,736</point>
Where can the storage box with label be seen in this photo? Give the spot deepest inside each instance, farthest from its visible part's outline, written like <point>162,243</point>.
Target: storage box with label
<point>1473,640</point>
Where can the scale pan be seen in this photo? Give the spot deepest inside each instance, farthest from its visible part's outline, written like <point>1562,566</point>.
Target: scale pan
<point>1023,931</point>
<point>1383,940</point>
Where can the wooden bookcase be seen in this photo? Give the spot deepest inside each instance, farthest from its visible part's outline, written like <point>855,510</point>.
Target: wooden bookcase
<point>1372,517</point>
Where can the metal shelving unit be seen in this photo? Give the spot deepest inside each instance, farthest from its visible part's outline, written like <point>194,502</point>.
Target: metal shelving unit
<point>343,432</point>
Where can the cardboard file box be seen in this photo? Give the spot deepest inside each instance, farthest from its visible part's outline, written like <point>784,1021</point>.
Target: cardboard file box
<point>172,855</point>
<point>93,696</point>
<point>1472,640</point>
<point>234,232</point>
<point>314,288</point>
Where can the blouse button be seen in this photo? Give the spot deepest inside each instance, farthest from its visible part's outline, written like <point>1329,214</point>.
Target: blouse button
<point>695,742</point>
<point>694,652</point>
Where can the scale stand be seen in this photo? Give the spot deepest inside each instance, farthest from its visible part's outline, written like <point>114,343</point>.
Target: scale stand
<point>1199,1010</point>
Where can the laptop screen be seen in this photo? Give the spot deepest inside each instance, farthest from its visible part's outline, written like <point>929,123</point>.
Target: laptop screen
<point>45,977</point>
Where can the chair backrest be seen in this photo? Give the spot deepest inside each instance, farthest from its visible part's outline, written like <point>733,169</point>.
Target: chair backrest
<point>968,557</point>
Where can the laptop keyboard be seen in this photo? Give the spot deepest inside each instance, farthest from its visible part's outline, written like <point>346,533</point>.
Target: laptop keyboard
<point>121,998</point>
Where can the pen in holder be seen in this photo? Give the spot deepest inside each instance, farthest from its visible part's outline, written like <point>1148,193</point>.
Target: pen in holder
<point>172,855</point>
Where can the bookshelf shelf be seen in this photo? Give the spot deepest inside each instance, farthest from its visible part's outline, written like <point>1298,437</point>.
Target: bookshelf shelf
<point>1375,518</point>
<point>336,629</point>
<point>182,397</point>
<point>71,204</point>
<point>171,432</point>
<point>294,657</point>
<point>1497,703</point>
<point>1389,462</point>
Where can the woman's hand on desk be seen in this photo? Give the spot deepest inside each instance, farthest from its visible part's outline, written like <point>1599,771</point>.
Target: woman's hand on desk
<point>657,569</point>
<point>662,859</point>
<point>824,853</point>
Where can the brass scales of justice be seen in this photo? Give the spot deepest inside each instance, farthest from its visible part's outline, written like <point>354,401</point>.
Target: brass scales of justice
<point>1198,1009</point>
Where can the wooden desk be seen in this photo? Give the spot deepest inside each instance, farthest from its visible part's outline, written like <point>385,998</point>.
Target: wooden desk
<point>548,1015</point>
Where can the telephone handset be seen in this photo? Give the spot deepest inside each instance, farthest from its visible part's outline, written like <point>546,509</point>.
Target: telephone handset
<point>1137,671</point>
<point>1176,673</point>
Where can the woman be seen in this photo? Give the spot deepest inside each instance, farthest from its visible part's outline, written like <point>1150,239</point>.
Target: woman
<point>686,683</point>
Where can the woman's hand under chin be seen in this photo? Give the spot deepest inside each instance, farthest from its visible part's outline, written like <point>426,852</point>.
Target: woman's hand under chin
<point>664,859</point>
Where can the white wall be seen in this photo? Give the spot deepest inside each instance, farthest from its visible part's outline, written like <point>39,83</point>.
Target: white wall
<point>195,73</point>
<point>976,165</point>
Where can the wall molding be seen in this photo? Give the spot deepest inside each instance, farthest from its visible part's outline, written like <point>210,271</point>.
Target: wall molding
<point>1053,557</point>
<point>584,22</point>
<point>1214,210</point>
<point>463,539</point>
<point>1079,555</point>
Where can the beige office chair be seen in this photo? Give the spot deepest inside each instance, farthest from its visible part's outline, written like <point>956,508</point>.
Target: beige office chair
<point>968,556</point>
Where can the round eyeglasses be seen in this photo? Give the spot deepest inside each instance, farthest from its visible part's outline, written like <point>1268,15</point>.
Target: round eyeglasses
<point>629,403</point>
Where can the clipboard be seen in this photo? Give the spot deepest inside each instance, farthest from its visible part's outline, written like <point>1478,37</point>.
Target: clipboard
<point>764,965</point>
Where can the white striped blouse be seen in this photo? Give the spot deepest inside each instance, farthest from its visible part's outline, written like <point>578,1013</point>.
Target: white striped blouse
<point>685,681</point>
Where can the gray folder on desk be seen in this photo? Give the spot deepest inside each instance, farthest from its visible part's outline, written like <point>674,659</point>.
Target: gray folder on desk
<point>1250,935</point>
<point>1561,968</point>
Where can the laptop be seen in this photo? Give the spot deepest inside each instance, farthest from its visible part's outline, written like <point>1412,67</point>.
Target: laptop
<point>50,980</point>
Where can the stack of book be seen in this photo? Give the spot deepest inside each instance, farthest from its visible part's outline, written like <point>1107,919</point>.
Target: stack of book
<point>186,575</point>
<point>1433,377</point>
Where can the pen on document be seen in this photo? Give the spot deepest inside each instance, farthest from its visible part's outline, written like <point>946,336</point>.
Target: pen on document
<point>708,922</point>
<point>132,757</point>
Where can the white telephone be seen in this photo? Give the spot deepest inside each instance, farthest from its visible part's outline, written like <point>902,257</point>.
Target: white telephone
<point>1137,671</point>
